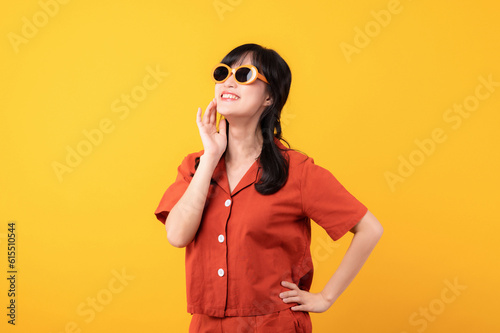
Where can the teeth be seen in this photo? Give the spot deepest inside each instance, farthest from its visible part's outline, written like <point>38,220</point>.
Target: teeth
<point>229,96</point>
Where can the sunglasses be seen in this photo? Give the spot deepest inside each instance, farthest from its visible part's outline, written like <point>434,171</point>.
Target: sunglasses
<point>245,74</point>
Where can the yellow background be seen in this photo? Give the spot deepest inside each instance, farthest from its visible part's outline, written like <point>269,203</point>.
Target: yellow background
<point>356,115</point>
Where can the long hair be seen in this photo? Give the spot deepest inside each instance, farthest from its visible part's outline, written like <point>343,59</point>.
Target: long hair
<point>273,160</point>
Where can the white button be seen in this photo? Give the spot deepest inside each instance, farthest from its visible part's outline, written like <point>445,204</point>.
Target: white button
<point>221,238</point>
<point>227,203</point>
<point>221,272</point>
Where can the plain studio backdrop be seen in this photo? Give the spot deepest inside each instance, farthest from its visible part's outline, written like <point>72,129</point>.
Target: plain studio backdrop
<point>400,100</point>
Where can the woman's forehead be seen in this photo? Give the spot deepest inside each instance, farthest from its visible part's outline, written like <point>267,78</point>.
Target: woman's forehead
<point>247,59</point>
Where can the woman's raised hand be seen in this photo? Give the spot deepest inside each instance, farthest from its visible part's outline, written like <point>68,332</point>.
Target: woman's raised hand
<point>214,143</point>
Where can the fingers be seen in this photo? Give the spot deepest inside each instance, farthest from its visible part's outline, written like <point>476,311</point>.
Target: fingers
<point>291,296</point>
<point>295,299</point>
<point>206,114</point>
<point>213,112</point>
<point>212,118</point>
<point>222,127</point>
<point>289,285</point>
<point>215,103</point>
<point>290,293</point>
<point>198,116</point>
<point>209,116</point>
<point>299,308</point>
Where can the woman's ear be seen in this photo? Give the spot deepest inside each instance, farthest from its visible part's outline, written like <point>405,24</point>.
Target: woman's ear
<point>268,101</point>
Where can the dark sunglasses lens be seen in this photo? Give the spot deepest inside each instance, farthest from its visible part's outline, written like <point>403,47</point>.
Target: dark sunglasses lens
<point>243,74</point>
<point>220,73</point>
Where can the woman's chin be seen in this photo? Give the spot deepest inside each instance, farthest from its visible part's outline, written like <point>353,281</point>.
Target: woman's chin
<point>223,110</point>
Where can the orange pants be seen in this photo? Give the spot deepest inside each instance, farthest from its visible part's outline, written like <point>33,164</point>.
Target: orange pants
<point>285,321</point>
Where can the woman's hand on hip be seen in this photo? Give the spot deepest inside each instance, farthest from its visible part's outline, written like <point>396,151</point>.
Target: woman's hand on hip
<point>307,301</point>
<point>214,143</point>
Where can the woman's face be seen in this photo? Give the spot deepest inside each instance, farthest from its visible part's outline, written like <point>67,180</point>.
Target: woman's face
<point>236,100</point>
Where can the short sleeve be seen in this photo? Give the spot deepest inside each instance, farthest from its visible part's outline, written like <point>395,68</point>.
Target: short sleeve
<point>327,202</point>
<point>175,191</point>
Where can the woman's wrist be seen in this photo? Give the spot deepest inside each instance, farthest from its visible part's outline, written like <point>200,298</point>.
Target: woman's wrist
<point>209,160</point>
<point>329,296</point>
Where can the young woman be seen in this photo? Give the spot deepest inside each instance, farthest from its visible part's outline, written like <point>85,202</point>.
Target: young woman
<point>242,208</point>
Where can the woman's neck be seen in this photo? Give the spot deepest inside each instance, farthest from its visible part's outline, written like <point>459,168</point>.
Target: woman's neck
<point>244,144</point>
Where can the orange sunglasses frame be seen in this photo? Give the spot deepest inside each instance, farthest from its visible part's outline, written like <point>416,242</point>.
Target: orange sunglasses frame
<point>256,75</point>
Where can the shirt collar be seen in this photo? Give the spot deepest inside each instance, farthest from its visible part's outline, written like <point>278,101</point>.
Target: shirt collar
<point>250,177</point>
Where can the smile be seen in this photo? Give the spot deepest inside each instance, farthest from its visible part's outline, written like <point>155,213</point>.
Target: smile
<point>229,96</point>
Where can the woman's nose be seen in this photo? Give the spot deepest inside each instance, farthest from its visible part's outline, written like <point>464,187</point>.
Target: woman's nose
<point>230,82</point>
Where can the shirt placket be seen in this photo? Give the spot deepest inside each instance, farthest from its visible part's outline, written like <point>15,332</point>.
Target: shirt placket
<point>220,270</point>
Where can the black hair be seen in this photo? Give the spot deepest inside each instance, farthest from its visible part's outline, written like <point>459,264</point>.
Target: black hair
<point>273,160</point>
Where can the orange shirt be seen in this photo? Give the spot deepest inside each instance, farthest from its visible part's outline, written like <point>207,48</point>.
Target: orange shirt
<point>247,243</point>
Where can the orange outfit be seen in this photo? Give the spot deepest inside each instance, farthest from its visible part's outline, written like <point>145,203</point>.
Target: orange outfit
<point>247,243</point>
<point>284,321</point>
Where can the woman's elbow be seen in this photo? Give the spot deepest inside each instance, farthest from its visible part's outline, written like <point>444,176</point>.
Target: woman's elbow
<point>369,225</point>
<point>174,236</point>
<point>176,243</point>
<point>376,229</point>
<point>177,240</point>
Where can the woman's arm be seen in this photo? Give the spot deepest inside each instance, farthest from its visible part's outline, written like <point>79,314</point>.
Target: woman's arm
<point>183,221</point>
<point>366,235</point>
